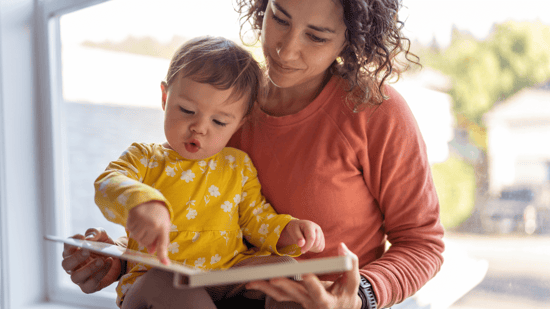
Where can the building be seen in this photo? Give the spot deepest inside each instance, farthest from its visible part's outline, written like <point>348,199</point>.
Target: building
<point>518,135</point>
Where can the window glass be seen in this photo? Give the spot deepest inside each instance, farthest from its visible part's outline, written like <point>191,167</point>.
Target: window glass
<point>113,63</point>
<point>480,102</point>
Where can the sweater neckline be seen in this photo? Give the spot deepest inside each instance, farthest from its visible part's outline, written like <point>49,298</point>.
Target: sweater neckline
<point>308,111</point>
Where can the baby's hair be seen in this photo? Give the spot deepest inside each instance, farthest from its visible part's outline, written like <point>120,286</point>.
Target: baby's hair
<point>220,63</point>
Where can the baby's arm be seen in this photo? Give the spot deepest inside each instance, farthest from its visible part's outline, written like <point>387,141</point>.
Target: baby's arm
<point>124,198</point>
<point>306,234</point>
<point>149,224</point>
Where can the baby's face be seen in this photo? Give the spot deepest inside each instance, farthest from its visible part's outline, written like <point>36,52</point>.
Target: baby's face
<point>199,120</point>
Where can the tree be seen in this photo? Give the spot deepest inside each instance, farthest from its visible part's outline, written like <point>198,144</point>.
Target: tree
<point>514,56</point>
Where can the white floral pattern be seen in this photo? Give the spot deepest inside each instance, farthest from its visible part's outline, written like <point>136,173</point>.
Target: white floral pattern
<point>214,191</point>
<point>263,229</point>
<point>188,176</point>
<point>122,199</point>
<point>170,171</point>
<point>257,211</point>
<point>244,179</point>
<point>212,165</point>
<point>237,199</point>
<point>215,259</point>
<point>226,206</point>
<point>200,262</point>
<point>197,198</point>
<point>231,160</point>
<point>191,214</point>
<point>174,247</point>
<point>110,213</point>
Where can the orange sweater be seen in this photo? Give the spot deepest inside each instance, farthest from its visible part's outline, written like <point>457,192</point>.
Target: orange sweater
<point>363,177</point>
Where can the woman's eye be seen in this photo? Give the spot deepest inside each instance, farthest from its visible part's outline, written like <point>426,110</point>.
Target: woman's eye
<point>186,111</point>
<point>317,39</point>
<point>221,124</point>
<point>279,20</point>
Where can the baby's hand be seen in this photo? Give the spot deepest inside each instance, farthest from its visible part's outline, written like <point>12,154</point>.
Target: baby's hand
<point>149,224</point>
<point>306,234</point>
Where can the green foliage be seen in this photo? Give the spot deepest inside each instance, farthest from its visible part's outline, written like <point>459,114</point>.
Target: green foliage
<point>514,56</point>
<point>455,183</point>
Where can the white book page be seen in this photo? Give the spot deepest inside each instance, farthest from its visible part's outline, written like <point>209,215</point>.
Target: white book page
<point>189,277</point>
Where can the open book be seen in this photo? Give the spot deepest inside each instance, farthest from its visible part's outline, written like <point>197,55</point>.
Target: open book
<point>189,277</point>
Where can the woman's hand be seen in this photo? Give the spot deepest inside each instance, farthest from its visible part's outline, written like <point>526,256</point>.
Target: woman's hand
<point>313,293</point>
<point>91,272</point>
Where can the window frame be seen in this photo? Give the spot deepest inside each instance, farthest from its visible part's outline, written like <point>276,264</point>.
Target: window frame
<point>53,166</point>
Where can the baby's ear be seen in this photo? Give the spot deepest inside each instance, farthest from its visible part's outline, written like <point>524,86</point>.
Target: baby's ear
<point>245,119</point>
<point>164,89</point>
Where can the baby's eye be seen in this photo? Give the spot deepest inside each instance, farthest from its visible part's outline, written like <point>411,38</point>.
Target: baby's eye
<point>221,124</point>
<point>279,20</point>
<point>186,111</point>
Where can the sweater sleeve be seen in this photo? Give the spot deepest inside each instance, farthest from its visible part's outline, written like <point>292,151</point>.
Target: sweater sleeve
<point>397,172</point>
<point>121,187</point>
<point>260,224</point>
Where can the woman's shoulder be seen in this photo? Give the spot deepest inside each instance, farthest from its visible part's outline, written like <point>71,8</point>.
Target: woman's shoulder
<point>392,110</point>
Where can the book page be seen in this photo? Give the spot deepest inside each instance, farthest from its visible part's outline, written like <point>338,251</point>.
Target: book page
<point>189,277</point>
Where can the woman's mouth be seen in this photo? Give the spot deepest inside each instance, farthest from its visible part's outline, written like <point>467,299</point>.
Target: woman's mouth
<point>281,68</point>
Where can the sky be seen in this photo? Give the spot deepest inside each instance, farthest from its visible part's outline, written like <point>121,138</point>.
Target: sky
<point>162,19</point>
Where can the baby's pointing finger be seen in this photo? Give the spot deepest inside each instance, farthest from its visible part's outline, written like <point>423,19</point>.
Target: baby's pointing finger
<point>162,250</point>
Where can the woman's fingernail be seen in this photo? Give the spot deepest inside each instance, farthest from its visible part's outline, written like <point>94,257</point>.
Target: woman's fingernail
<point>99,263</point>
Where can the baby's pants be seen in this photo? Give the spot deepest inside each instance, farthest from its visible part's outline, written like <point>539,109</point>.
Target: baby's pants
<point>155,290</point>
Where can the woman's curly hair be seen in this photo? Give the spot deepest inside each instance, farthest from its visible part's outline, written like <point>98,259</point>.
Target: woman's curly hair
<point>373,42</point>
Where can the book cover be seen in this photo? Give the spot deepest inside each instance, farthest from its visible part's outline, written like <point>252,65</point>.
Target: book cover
<point>188,277</point>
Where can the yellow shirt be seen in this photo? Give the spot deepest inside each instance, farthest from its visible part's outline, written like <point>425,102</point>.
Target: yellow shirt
<point>213,203</point>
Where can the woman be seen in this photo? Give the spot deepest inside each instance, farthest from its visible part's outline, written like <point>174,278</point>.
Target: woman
<point>335,145</point>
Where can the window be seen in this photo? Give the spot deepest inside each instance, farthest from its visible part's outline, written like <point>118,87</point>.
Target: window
<point>68,114</point>
<point>105,70</point>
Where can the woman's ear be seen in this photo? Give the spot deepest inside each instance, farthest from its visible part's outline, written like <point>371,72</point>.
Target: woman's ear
<point>164,89</point>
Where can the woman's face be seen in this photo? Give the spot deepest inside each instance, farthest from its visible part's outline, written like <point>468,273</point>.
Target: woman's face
<point>301,39</point>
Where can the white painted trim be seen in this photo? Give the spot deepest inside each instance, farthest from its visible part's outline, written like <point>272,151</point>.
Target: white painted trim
<point>51,135</point>
<point>59,7</point>
<point>4,262</point>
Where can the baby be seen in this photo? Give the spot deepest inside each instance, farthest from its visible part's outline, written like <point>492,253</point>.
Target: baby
<point>191,199</point>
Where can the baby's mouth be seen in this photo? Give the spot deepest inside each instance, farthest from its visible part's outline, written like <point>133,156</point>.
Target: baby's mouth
<point>193,146</point>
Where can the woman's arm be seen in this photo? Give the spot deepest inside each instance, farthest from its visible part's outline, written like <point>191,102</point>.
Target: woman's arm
<point>92,272</point>
<point>397,172</point>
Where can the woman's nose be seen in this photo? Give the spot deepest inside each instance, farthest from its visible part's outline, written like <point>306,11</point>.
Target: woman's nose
<point>288,47</point>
